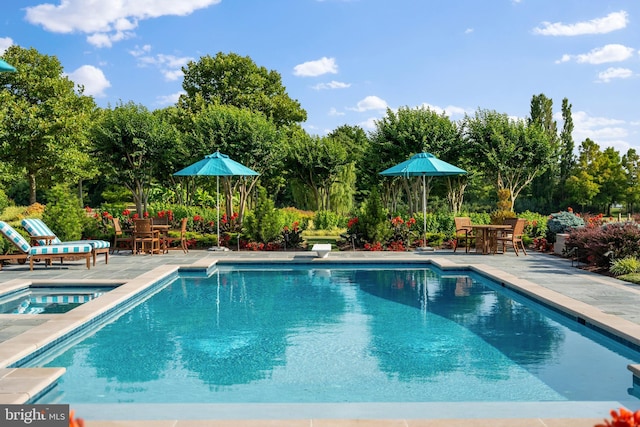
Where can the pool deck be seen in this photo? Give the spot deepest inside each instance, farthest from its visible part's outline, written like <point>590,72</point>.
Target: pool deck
<point>606,303</point>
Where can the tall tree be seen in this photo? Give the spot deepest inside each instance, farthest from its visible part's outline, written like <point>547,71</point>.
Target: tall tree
<point>543,186</point>
<point>397,137</point>
<point>511,153</point>
<point>231,79</point>
<point>567,157</point>
<point>245,136</point>
<point>318,162</point>
<point>132,141</point>
<point>45,118</point>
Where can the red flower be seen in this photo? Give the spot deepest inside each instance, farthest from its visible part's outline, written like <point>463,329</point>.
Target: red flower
<point>161,214</point>
<point>87,208</point>
<point>285,228</point>
<point>353,221</point>
<point>569,209</point>
<point>145,214</point>
<point>105,213</point>
<point>197,218</point>
<point>625,418</point>
<point>135,216</point>
<point>126,212</point>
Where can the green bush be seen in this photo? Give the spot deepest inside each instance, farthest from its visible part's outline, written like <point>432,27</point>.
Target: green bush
<point>562,222</point>
<point>64,216</point>
<point>327,220</point>
<point>373,224</point>
<point>265,223</point>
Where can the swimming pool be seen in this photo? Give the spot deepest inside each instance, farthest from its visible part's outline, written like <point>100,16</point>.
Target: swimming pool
<point>356,334</point>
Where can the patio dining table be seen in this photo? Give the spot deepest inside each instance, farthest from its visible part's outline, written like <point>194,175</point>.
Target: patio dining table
<point>486,236</point>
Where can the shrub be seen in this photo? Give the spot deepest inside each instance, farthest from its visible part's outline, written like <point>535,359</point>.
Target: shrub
<point>64,216</point>
<point>265,223</point>
<point>327,220</point>
<point>598,245</point>
<point>625,265</point>
<point>373,223</point>
<point>562,222</point>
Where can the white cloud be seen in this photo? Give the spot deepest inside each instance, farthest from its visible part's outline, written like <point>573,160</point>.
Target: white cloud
<point>5,42</point>
<point>92,79</point>
<point>107,21</point>
<point>614,73</point>
<point>370,103</point>
<point>601,55</point>
<point>468,31</point>
<point>369,124</point>
<point>169,65</point>
<point>331,85</point>
<point>448,111</point>
<point>611,22</point>
<point>168,99</point>
<point>606,132</point>
<point>316,68</point>
<point>333,112</point>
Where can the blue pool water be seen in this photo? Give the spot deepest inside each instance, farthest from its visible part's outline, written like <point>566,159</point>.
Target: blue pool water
<point>383,334</point>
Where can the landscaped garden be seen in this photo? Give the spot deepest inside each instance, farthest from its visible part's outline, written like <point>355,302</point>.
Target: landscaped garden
<point>78,166</point>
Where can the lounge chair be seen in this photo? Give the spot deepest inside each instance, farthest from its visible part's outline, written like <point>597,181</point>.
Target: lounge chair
<point>43,236</point>
<point>45,252</point>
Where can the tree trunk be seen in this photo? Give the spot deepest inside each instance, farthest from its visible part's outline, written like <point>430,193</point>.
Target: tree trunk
<point>32,188</point>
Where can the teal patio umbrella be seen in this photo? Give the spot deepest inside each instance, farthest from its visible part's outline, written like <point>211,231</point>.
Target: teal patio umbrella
<point>4,66</point>
<point>217,164</point>
<point>424,165</point>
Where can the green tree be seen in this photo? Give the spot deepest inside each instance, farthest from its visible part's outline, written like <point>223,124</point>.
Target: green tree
<point>132,142</point>
<point>245,136</point>
<point>45,118</point>
<point>567,157</point>
<point>317,162</point>
<point>397,137</point>
<point>631,165</point>
<point>511,153</point>
<point>544,185</point>
<point>231,79</point>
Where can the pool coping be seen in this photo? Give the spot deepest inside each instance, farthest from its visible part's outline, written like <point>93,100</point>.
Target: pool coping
<point>36,380</point>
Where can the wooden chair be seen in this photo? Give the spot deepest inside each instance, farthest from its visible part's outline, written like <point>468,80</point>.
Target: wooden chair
<point>464,233</point>
<point>512,237</point>
<point>121,240</point>
<point>144,236</point>
<point>183,235</point>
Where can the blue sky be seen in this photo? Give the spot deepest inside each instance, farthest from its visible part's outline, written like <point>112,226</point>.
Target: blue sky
<point>346,61</point>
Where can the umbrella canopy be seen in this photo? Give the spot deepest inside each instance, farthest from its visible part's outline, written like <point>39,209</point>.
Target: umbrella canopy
<point>217,164</point>
<point>6,67</point>
<point>424,165</point>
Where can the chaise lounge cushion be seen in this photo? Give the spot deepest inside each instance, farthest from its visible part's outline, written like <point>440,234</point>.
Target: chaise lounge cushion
<point>36,227</point>
<point>47,252</point>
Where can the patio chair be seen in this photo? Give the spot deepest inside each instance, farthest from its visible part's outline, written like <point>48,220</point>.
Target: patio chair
<point>146,237</point>
<point>121,240</point>
<point>464,233</point>
<point>512,237</point>
<point>42,235</point>
<point>44,252</point>
<point>183,235</point>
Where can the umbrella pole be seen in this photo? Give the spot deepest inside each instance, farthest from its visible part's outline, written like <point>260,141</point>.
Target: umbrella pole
<point>218,206</point>
<point>424,210</point>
